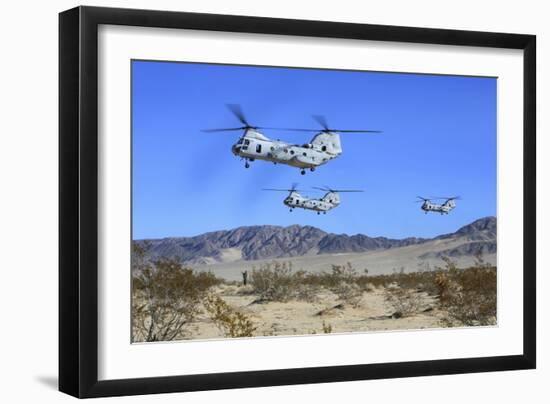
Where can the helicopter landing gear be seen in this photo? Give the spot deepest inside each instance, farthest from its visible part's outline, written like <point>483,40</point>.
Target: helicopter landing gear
<point>246,164</point>
<point>318,213</point>
<point>324,213</point>
<point>303,172</point>
<point>312,169</point>
<point>290,209</point>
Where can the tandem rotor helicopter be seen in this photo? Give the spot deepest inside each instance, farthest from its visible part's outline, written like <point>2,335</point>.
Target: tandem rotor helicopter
<point>253,145</point>
<point>329,201</point>
<point>444,208</point>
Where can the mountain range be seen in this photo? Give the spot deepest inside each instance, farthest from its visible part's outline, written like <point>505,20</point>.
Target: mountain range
<point>250,243</point>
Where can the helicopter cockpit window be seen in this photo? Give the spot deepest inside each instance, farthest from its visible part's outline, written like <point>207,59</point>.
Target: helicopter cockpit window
<point>246,142</point>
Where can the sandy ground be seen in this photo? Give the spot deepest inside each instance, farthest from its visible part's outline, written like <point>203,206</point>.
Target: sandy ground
<point>373,313</point>
<point>377,262</point>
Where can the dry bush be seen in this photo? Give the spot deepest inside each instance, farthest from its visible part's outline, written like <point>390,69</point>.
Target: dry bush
<point>327,328</point>
<point>343,281</point>
<point>474,300</point>
<point>303,289</point>
<point>165,298</point>
<point>275,281</point>
<point>404,302</point>
<point>468,296</point>
<point>348,293</point>
<point>232,323</point>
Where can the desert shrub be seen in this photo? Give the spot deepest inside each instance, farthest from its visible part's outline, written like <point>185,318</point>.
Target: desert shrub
<point>343,281</point>
<point>165,298</point>
<point>344,284</point>
<point>303,289</point>
<point>404,302</point>
<point>276,281</point>
<point>139,255</point>
<point>473,301</point>
<point>232,323</point>
<point>327,328</point>
<point>273,281</point>
<point>443,285</point>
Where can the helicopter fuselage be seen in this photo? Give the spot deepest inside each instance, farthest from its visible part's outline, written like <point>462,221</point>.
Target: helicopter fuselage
<point>444,208</point>
<point>255,146</point>
<point>295,200</point>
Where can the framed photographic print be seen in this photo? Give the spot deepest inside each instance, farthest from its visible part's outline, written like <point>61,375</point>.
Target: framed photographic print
<point>251,201</point>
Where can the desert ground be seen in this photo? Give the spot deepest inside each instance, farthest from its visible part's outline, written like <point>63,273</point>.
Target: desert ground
<point>172,302</point>
<point>377,262</point>
<point>326,314</point>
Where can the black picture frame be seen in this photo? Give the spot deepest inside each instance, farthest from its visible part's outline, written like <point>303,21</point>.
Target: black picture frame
<point>78,201</point>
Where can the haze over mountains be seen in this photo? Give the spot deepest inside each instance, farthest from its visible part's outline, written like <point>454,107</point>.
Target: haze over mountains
<point>256,243</point>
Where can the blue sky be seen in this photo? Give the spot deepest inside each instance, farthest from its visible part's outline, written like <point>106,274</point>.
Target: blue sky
<point>439,139</point>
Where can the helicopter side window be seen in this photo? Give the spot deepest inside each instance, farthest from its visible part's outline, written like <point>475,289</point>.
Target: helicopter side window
<point>258,148</point>
<point>324,148</point>
<point>292,152</point>
<point>304,154</point>
<point>246,142</point>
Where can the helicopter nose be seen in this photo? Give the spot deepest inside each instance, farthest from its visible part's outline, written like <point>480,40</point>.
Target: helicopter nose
<point>235,149</point>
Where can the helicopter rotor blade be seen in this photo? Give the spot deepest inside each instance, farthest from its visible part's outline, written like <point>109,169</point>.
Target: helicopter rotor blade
<point>292,129</point>
<point>321,120</point>
<point>448,198</point>
<point>281,190</point>
<point>239,114</point>
<point>223,129</point>
<point>328,189</point>
<point>323,130</point>
<point>355,131</point>
<point>347,190</point>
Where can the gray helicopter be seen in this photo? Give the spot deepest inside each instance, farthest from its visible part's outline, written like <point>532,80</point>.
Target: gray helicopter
<point>443,208</point>
<point>329,201</point>
<point>253,145</point>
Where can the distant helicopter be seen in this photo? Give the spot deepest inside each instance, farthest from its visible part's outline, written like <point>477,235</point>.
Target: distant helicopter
<point>429,206</point>
<point>253,145</point>
<point>329,201</point>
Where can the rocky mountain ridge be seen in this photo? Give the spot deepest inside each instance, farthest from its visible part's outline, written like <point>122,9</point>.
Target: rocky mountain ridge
<point>267,242</point>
